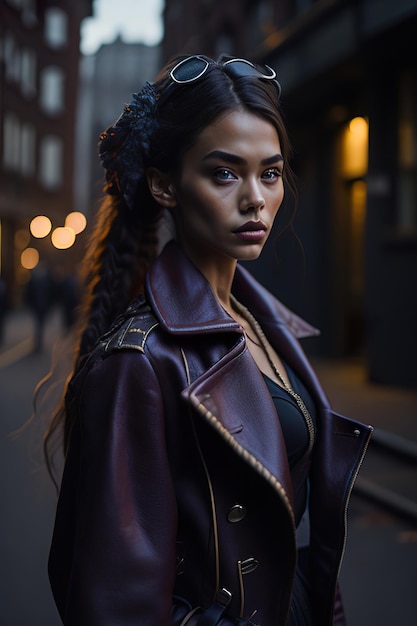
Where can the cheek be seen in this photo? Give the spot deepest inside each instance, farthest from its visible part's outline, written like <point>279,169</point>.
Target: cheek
<point>277,201</point>
<point>194,213</point>
<point>281,199</point>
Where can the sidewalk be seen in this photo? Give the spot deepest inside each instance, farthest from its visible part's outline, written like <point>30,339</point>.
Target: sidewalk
<point>389,409</point>
<point>19,329</point>
<point>388,476</point>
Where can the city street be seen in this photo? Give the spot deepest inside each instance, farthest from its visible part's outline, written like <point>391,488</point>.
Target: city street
<point>380,566</point>
<point>27,494</point>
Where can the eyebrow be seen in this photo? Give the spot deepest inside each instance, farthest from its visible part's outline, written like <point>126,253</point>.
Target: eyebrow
<point>237,160</point>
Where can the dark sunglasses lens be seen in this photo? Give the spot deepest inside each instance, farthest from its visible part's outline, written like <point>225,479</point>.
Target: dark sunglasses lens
<point>239,68</point>
<point>189,70</point>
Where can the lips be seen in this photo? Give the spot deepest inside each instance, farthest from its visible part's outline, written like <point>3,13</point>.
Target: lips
<point>251,231</point>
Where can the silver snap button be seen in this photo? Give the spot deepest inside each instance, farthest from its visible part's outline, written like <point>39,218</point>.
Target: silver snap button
<point>237,513</point>
<point>356,432</point>
<point>249,565</point>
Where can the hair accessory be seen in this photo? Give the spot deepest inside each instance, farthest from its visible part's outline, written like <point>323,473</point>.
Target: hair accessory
<point>124,144</point>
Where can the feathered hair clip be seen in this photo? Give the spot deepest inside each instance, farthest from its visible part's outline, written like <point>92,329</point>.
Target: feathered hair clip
<point>124,145</point>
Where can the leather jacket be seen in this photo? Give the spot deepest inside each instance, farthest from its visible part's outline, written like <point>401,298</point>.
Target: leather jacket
<point>176,479</point>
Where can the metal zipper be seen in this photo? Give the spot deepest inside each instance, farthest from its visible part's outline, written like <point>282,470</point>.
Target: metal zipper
<point>268,348</point>
<point>307,418</point>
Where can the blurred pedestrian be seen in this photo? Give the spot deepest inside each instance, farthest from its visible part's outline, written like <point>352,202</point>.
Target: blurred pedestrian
<point>207,479</point>
<point>67,296</point>
<point>39,298</point>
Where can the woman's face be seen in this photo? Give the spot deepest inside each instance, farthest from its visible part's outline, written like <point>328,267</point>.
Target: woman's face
<point>230,189</point>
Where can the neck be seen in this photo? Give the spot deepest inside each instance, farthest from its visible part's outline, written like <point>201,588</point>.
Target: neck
<point>218,270</point>
<point>221,283</point>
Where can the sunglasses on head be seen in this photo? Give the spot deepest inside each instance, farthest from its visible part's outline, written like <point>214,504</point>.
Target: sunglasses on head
<point>194,67</point>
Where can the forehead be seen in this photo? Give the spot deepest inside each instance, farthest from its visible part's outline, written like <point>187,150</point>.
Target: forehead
<point>238,132</point>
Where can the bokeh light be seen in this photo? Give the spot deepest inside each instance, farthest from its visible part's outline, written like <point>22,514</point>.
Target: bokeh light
<point>63,237</point>
<point>29,258</point>
<point>40,226</point>
<point>354,163</point>
<point>77,221</point>
<point>359,126</point>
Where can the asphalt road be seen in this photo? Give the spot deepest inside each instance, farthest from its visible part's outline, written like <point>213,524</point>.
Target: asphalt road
<point>380,566</point>
<point>27,495</point>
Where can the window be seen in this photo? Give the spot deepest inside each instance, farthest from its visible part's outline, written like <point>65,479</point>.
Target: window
<point>28,73</point>
<point>11,59</point>
<point>56,25</point>
<point>11,142</point>
<point>52,90</point>
<point>50,170</point>
<point>355,148</point>
<point>28,9</point>
<point>27,150</point>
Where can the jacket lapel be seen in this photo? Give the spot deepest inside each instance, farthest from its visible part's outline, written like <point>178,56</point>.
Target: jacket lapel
<point>232,398</point>
<point>282,328</point>
<point>181,298</point>
<point>231,395</point>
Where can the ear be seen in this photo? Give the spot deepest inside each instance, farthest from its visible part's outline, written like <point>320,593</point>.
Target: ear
<point>161,188</point>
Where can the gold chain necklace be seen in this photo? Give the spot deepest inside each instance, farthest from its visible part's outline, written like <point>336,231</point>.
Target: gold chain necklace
<point>265,345</point>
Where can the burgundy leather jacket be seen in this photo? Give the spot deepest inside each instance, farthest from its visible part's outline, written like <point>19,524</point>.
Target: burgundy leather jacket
<point>176,478</point>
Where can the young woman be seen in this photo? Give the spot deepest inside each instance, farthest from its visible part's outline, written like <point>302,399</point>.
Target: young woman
<point>206,478</point>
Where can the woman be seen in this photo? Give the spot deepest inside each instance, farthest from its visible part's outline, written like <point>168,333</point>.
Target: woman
<point>206,478</point>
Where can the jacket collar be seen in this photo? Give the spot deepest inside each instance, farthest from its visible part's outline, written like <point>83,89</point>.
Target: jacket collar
<point>184,302</point>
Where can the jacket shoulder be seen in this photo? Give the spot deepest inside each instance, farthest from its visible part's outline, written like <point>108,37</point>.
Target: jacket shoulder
<point>132,330</point>
<point>129,331</point>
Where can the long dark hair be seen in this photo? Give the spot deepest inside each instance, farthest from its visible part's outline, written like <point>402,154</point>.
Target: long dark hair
<point>124,240</point>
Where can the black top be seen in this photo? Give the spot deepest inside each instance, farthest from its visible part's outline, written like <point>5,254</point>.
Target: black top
<point>296,433</point>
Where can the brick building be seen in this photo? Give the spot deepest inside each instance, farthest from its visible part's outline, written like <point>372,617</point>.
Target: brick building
<point>39,43</point>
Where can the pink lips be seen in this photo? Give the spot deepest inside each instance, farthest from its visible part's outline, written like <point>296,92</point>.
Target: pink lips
<point>251,231</point>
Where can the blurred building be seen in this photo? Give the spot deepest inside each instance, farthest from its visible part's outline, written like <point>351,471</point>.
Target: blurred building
<point>39,61</point>
<point>107,81</point>
<point>348,70</point>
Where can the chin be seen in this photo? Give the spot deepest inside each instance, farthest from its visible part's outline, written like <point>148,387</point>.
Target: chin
<point>250,255</point>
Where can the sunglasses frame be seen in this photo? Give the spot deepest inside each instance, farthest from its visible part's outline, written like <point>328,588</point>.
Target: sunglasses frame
<point>189,80</point>
<point>257,73</point>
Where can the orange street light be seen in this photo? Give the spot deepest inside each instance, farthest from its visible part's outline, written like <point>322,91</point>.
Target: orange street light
<point>77,221</point>
<point>63,237</point>
<point>40,226</point>
<point>29,258</point>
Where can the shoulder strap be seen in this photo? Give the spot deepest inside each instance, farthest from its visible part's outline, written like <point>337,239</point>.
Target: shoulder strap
<point>133,334</point>
<point>132,330</point>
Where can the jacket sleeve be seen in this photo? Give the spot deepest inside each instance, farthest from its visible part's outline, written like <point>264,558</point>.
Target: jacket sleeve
<point>112,559</point>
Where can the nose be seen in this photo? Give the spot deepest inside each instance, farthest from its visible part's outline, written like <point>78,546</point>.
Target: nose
<point>252,198</point>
